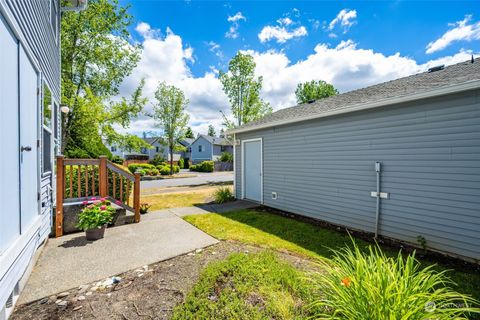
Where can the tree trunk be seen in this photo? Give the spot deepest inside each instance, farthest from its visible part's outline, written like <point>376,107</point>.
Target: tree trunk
<point>171,160</point>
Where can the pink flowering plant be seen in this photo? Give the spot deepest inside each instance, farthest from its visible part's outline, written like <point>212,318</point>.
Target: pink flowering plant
<point>95,214</point>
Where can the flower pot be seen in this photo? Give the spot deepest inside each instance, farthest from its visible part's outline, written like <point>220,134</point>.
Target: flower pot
<point>95,234</point>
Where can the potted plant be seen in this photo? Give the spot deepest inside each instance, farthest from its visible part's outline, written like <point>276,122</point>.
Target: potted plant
<point>94,218</point>
<point>144,208</point>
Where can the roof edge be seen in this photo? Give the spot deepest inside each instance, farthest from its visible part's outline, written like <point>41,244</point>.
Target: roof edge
<point>465,86</point>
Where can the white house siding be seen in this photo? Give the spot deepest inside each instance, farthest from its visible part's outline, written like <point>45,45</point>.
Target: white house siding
<point>430,155</point>
<point>29,24</point>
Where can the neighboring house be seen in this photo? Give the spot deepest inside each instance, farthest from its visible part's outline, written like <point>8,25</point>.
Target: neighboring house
<point>424,130</point>
<point>187,144</point>
<point>29,134</point>
<point>158,147</point>
<point>206,148</point>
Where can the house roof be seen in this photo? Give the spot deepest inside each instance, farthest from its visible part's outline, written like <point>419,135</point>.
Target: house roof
<point>454,78</point>
<point>186,141</point>
<point>215,140</point>
<point>153,140</point>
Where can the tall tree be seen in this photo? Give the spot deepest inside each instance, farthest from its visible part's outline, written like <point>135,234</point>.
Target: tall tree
<point>222,133</point>
<point>96,57</point>
<point>169,114</point>
<point>211,131</point>
<point>243,91</point>
<point>189,133</point>
<point>314,90</point>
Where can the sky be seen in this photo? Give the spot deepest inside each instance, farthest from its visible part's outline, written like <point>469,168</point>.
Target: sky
<point>351,44</point>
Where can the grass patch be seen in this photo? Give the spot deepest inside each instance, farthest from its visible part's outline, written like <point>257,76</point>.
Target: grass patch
<point>255,286</point>
<point>179,199</point>
<point>285,234</point>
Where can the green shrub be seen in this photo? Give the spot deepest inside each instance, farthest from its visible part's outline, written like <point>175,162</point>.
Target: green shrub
<point>181,163</point>
<point>117,160</point>
<point>223,194</point>
<point>134,166</point>
<point>141,172</point>
<point>358,285</point>
<point>205,166</point>
<point>226,157</point>
<point>152,172</point>
<point>157,160</point>
<point>165,171</point>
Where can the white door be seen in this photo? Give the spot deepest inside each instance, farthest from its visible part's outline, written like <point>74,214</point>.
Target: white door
<point>252,169</point>
<point>28,141</point>
<point>9,139</point>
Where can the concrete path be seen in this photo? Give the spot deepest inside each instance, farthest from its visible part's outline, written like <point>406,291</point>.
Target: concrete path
<point>201,179</point>
<point>71,261</point>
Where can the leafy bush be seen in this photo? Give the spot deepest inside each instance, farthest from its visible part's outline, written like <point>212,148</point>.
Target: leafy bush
<point>144,208</point>
<point>157,160</point>
<point>134,166</point>
<point>141,172</point>
<point>223,194</point>
<point>226,157</point>
<point>152,172</point>
<point>205,166</point>
<point>165,170</point>
<point>360,285</point>
<point>117,160</point>
<point>95,214</point>
<point>181,163</point>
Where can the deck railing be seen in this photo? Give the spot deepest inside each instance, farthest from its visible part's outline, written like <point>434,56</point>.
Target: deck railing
<point>81,179</point>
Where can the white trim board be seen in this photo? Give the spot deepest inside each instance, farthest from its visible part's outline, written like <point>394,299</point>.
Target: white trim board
<point>261,166</point>
<point>466,86</point>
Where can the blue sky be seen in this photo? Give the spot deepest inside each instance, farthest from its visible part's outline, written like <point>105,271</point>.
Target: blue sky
<point>350,44</point>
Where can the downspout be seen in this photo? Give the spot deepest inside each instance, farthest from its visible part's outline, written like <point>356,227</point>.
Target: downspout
<point>377,210</point>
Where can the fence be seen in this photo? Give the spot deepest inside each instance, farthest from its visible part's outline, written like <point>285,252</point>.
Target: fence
<point>80,179</point>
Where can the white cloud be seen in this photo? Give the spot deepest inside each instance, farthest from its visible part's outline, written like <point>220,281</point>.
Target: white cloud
<point>235,24</point>
<point>146,31</point>
<point>215,48</point>
<point>461,31</point>
<point>344,19</point>
<point>280,34</point>
<point>346,66</point>
<point>285,21</point>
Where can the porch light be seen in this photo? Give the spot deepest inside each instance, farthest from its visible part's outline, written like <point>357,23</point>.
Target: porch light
<point>64,108</point>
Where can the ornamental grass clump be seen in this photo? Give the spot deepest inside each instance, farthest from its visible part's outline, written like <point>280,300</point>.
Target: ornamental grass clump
<point>95,214</point>
<point>359,285</point>
<point>223,194</point>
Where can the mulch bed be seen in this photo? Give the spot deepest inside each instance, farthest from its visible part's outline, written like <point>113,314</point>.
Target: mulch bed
<point>149,292</point>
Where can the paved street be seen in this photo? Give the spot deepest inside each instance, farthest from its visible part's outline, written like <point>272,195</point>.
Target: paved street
<point>200,179</point>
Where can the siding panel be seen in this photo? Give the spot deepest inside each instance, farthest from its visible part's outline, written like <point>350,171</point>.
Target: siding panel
<point>430,154</point>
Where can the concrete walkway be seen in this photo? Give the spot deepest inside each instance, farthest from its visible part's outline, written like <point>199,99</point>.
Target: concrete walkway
<point>71,261</point>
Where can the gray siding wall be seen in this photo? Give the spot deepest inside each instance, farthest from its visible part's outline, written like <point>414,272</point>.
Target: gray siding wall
<point>206,154</point>
<point>430,155</point>
<point>33,17</point>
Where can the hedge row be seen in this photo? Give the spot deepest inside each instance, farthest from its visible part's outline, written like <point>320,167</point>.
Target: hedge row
<point>205,166</point>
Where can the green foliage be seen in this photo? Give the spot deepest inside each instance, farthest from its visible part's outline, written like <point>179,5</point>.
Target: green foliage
<point>144,208</point>
<point>169,113</point>
<point>211,131</point>
<point>134,166</point>
<point>165,170</point>
<point>97,55</point>
<point>359,285</point>
<point>152,172</point>
<point>226,157</point>
<point>249,286</point>
<point>243,91</point>
<point>141,172</point>
<point>189,133</point>
<point>314,90</point>
<point>181,163</point>
<point>117,160</point>
<point>157,160</point>
<point>223,194</point>
<point>95,214</point>
<point>205,166</point>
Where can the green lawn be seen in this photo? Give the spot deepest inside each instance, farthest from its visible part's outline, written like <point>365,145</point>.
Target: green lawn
<point>249,286</point>
<point>285,234</point>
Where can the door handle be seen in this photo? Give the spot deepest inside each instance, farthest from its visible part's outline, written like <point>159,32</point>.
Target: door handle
<point>27,148</point>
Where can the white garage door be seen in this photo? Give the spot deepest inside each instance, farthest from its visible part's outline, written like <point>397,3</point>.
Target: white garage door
<point>252,169</point>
